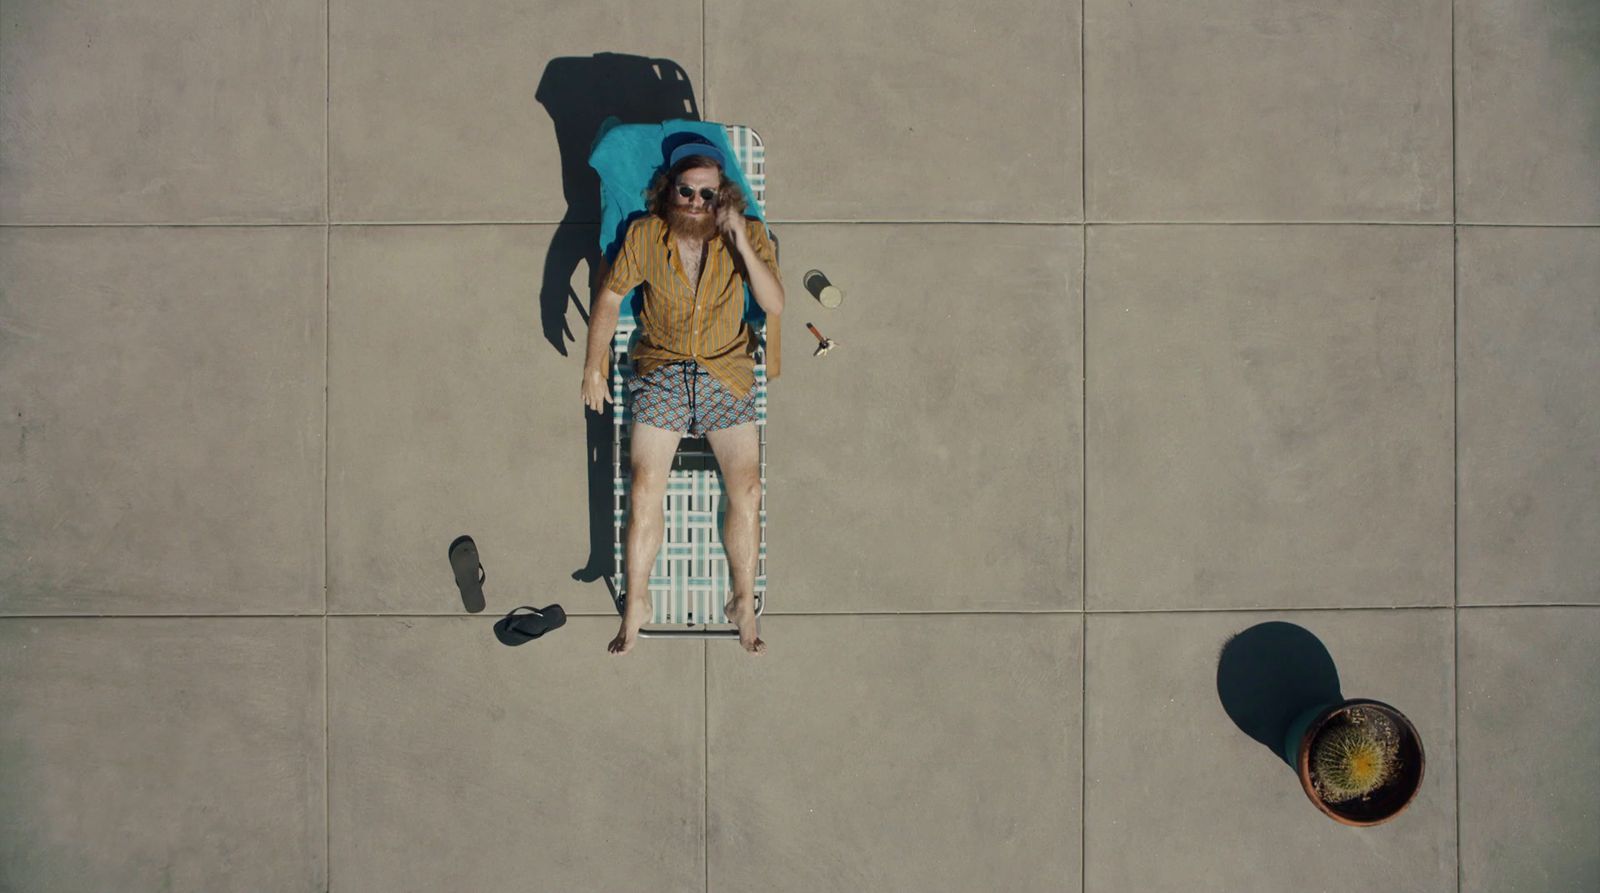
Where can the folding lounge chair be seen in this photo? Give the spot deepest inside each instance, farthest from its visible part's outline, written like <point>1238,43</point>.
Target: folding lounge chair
<point>690,580</point>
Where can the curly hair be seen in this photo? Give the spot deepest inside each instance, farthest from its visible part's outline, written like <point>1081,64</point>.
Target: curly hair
<point>658,198</point>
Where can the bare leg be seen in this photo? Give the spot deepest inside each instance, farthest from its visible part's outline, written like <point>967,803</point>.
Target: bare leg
<point>738,454</point>
<point>652,458</point>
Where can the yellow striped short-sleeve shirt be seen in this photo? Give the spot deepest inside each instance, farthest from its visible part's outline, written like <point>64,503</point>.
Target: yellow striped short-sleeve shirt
<point>681,322</point>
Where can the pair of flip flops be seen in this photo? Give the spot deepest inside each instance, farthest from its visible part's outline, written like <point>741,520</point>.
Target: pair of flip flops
<point>518,629</point>
<point>514,628</point>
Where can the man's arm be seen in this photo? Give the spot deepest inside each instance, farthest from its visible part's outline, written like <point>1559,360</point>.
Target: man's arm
<point>602,328</point>
<point>623,273</point>
<point>764,285</point>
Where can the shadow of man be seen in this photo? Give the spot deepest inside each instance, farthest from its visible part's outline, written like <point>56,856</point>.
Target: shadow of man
<point>580,93</point>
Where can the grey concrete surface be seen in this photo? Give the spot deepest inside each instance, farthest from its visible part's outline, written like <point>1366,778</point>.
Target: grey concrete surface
<point>1529,740</point>
<point>1246,110</point>
<point>1272,405</point>
<point>896,753</point>
<point>163,399</point>
<point>1528,125</point>
<point>1528,313</point>
<point>925,95</point>
<point>1179,798</point>
<point>445,113</point>
<point>956,392</point>
<point>447,413</point>
<point>1159,322</point>
<point>186,112</point>
<point>455,763</point>
<point>162,753</point>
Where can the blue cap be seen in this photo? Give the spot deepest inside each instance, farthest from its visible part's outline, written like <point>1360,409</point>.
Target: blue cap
<point>706,149</point>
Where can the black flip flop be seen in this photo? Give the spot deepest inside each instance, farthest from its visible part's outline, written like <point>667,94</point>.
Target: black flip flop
<point>469,573</point>
<point>517,629</point>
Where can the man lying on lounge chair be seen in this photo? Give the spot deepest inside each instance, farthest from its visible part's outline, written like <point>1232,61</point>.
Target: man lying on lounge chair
<point>694,368</point>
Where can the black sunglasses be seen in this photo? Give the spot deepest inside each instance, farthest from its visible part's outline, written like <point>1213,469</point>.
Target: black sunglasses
<point>706,195</point>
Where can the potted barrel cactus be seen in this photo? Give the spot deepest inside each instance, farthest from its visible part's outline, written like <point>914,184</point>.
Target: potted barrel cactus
<point>1360,761</point>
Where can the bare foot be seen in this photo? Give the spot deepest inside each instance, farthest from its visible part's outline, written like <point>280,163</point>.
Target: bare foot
<point>634,615</point>
<point>742,613</point>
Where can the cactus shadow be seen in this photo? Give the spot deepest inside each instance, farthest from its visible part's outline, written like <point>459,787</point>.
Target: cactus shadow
<point>1270,673</point>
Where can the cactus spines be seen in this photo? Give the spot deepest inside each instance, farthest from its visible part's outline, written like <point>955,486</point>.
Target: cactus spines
<point>1357,757</point>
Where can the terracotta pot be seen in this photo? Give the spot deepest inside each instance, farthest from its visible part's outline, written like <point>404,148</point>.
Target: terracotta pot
<point>1387,801</point>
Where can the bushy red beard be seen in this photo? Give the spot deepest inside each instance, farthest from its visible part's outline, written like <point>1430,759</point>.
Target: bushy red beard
<point>684,225</point>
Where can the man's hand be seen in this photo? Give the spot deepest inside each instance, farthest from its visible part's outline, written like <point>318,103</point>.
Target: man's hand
<point>731,225</point>
<point>594,390</point>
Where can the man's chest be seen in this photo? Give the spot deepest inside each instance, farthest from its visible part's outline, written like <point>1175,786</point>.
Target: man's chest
<point>686,271</point>
<point>692,259</point>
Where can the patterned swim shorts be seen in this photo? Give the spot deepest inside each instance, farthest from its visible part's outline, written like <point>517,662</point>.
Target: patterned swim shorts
<point>686,398</point>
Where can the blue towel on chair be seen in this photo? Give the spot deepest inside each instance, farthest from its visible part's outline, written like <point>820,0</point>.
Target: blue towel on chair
<point>627,157</point>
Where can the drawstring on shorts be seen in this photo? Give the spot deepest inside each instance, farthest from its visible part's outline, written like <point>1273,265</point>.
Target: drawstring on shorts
<point>690,380</point>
